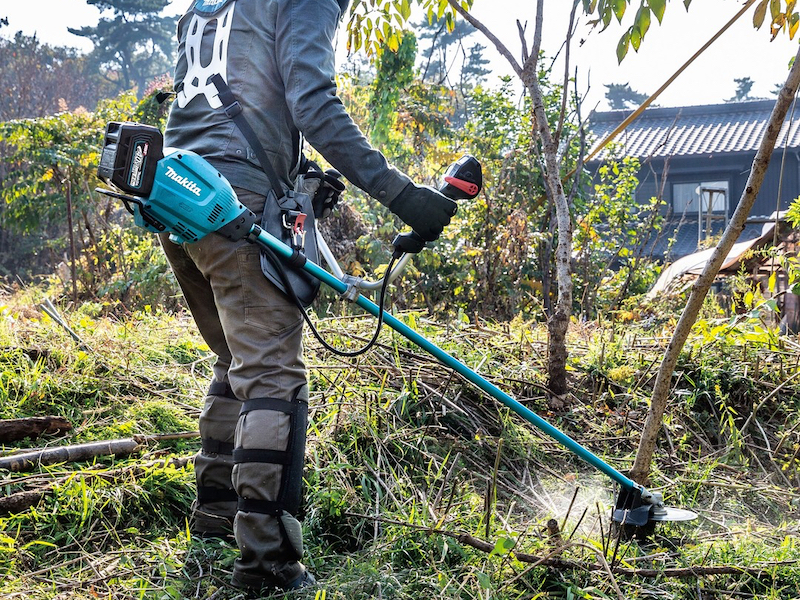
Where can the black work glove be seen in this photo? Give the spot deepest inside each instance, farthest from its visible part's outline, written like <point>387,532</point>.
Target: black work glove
<point>424,209</point>
<point>329,192</point>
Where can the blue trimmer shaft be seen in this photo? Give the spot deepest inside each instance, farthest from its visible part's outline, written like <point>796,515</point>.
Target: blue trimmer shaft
<point>269,241</point>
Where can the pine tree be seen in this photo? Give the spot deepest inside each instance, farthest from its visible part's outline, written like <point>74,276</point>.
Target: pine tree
<point>621,96</point>
<point>135,44</point>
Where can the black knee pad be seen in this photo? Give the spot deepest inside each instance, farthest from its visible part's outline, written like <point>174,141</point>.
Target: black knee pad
<point>289,496</point>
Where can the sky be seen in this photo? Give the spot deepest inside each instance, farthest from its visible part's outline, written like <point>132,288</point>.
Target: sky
<point>740,52</point>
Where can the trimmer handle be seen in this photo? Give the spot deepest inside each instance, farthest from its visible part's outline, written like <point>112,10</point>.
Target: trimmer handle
<point>463,180</point>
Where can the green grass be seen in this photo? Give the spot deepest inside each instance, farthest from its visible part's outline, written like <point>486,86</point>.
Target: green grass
<point>401,460</point>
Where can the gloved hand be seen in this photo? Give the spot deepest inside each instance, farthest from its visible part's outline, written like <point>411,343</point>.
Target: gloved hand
<point>424,209</point>
<point>325,188</point>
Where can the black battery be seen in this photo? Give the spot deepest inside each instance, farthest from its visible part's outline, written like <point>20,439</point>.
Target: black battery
<point>130,154</point>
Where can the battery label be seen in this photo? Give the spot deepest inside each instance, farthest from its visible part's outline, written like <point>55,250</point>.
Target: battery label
<point>138,163</point>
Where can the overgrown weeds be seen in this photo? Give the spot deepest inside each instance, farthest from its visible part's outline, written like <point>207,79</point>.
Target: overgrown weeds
<point>417,484</point>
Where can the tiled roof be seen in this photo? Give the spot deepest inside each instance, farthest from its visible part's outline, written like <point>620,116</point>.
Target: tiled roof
<point>693,130</point>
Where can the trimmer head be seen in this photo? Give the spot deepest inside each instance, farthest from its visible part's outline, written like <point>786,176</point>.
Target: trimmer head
<point>637,510</point>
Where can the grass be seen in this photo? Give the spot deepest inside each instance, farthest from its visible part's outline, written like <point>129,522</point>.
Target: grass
<point>409,467</point>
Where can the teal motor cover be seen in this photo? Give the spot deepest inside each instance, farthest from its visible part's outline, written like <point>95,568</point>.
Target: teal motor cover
<point>189,199</point>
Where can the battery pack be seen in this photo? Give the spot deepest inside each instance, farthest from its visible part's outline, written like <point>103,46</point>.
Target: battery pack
<point>129,157</point>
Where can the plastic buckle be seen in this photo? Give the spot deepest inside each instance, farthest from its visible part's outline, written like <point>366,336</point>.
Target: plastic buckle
<point>233,110</point>
<point>295,221</point>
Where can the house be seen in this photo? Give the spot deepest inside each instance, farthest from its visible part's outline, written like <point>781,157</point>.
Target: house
<point>704,155</point>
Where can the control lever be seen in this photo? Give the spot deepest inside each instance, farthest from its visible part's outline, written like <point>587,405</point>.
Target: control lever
<point>463,180</point>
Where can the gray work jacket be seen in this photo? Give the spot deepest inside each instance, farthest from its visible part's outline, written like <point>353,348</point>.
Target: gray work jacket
<point>277,57</point>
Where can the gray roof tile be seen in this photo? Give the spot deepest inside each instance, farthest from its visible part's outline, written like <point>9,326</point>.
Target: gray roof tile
<point>692,130</point>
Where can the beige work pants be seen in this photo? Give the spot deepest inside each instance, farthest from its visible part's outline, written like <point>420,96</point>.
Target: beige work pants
<point>256,334</point>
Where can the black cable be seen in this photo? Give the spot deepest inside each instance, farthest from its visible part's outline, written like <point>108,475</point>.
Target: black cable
<point>280,268</point>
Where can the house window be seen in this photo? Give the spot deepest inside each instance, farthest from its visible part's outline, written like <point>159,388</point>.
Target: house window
<point>703,197</point>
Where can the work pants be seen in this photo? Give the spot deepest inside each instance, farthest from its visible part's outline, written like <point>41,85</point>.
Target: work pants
<point>251,456</point>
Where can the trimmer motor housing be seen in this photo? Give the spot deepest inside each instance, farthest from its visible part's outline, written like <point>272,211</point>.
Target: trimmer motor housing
<point>169,190</point>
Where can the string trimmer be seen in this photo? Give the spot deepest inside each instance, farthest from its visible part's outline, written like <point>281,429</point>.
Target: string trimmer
<point>179,192</point>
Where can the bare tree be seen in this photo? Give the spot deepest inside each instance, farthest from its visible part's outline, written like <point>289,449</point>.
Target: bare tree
<point>558,320</point>
<point>663,384</point>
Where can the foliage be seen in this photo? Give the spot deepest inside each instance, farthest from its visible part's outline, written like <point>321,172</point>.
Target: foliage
<point>51,164</point>
<point>395,72</point>
<point>376,25</point>
<point>610,236</point>
<point>743,87</point>
<point>782,18</point>
<point>403,459</point>
<point>38,79</point>
<point>135,45</point>
<point>437,62</point>
<point>621,96</point>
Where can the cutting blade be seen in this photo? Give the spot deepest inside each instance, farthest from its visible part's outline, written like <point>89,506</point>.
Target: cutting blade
<point>668,513</point>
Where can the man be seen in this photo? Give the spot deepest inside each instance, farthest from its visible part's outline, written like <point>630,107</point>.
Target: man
<point>277,59</point>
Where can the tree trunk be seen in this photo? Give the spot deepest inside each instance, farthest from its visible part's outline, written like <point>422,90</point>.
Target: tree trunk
<point>558,322</point>
<point>663,384</point>
<point>72,249</point>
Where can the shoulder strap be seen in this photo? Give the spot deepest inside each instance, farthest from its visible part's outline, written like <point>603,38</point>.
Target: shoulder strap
<point>234,110</point>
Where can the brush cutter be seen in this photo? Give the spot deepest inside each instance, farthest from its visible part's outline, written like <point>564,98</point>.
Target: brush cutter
<point>178,192</point>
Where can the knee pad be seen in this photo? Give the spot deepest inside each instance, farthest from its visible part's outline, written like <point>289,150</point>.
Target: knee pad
<point>272,431</point>
<point>268,460</point>
<point>214,463</point>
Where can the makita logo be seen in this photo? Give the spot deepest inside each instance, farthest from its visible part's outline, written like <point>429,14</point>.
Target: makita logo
<point>183,181</point>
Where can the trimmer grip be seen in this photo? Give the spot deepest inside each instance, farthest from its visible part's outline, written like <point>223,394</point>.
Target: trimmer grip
<point>407,243</point>
<point>463,180</point>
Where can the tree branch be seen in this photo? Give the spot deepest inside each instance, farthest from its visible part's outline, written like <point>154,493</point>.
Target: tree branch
<point>663,383</point>
<point>564,94</point>
<point>489,35</point>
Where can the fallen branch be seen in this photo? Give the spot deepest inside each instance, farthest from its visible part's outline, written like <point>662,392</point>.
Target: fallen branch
<point>561,563</point>
<point>12,430</point>
<point>20,501</point>
<point>26,461</point>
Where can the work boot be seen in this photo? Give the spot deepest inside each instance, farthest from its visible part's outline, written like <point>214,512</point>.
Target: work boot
<point>257,587</point>
<point>305,580</point>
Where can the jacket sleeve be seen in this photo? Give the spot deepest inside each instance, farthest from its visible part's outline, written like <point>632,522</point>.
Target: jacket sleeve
<point>304,45</point>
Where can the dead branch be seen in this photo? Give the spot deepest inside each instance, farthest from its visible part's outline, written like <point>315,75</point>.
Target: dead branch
<point>20,501</point>
<point>26,461</point>
<point>565,564</point>
<point>32,427</point>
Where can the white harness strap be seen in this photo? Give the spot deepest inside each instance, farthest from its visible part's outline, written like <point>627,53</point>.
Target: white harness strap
<point>196,82</point>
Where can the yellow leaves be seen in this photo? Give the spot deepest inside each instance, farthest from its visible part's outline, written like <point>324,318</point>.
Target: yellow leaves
<point>375,25</point>
<point>782,17</point>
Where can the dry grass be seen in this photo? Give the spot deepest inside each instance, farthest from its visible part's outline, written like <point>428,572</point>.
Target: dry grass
<point>412,473</point>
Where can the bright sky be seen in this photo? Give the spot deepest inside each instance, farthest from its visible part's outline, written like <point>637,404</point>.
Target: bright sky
<point>741,52</point>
